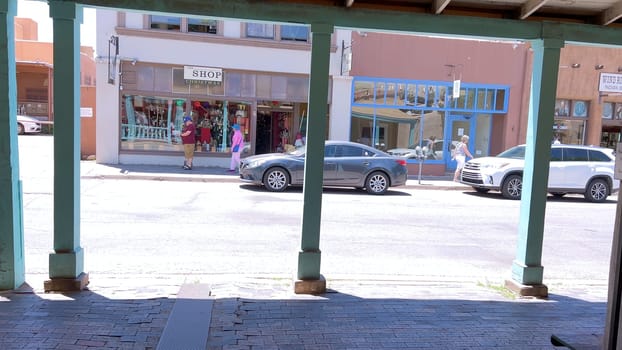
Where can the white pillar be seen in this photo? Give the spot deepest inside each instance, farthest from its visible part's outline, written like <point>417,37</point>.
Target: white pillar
<point>340,118</point>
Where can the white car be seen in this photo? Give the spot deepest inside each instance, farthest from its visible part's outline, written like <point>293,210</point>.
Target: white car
<point>27,125</point>
<point>578,169</point>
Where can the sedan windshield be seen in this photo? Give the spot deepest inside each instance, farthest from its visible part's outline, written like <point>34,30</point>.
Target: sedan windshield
<point>517,152</point>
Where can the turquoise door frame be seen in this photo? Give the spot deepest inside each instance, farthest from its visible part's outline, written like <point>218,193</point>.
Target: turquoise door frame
<point>456,120</point>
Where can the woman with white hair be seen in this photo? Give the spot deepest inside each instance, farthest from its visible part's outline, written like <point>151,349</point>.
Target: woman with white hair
<point>460,153</point>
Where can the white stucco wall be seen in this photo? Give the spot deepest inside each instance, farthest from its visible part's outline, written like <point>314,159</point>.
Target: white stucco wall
<point>133,20</point>
<point>107,96</point>
<point>339,127</point>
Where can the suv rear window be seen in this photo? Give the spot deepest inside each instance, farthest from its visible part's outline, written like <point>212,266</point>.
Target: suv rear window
<point>598,156</point>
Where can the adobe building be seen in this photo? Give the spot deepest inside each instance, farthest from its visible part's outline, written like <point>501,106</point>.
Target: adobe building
<point>404,95</point>
<point>35,67</point>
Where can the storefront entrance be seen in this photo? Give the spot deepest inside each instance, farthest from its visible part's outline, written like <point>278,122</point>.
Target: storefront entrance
<point>272,131</point>
<point>458,126</point>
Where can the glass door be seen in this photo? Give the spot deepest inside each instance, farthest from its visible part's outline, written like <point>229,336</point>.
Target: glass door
<point>457,126</point>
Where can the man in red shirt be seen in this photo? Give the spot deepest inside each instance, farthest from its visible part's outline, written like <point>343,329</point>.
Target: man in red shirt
<point>188,139</point>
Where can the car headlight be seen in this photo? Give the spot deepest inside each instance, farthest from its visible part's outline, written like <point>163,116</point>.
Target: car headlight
<point>494,166</point>
<point>254,163</point>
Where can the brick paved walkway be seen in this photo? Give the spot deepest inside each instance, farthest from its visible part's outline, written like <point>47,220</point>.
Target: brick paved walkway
<point>263,313</point>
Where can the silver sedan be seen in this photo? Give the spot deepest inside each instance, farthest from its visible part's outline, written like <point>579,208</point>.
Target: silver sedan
<point>346,164</point>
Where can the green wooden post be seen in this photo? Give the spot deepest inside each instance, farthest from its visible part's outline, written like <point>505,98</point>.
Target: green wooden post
<point>309,256</point>
<point>527,270</point>
<point>12,267</point>
<point>67,260</point>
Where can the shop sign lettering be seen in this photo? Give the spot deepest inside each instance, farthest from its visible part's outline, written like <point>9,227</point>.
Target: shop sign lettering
<point>203,73</point>
<point>610,82</point>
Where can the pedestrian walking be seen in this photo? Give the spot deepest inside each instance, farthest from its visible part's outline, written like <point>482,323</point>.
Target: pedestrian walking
<point>237,143</point>
<point>460,153</point>
<point>188,139</point>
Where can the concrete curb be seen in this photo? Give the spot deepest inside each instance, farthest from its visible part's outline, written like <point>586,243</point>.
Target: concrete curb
<point>442,185</point>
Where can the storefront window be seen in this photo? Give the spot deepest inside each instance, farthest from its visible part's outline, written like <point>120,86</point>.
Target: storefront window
<point>148,123</point>
<point>569,131</point>
<point>617,113</point>
<point>165,23</point>
<point>363,92</point>
<point>400,95</point>
<point>154,123</point>
<point>215,120</point>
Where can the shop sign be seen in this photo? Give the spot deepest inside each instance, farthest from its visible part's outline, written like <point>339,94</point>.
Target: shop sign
<point>86,112</point>
<point>610,82</point>
<point>203,73</point>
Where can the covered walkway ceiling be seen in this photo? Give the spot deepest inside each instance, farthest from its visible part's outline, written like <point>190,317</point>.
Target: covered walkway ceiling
<point>581,21</point>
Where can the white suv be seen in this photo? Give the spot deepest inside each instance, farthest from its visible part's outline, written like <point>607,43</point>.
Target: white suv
<point>573,169</point>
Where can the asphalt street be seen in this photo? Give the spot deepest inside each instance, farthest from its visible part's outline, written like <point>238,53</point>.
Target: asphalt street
<point>414,269</point>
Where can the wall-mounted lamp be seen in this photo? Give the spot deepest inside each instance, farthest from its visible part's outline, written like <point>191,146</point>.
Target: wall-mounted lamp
<point>599,66</point>
<point>575,65</point>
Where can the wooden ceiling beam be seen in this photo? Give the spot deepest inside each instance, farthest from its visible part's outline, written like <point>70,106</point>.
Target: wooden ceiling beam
<point>439,6</point>
<point>611,14</point>
<point>530,7</point>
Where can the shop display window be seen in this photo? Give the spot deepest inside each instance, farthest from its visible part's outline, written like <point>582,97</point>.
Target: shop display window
<point>617,112</point>
<point>150,123</point>
<point>155,123</point>
<point>214,123</point>
<point>569,131</point>
<point>363,92</point>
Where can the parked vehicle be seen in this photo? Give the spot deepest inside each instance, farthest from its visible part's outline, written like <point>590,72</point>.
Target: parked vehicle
<point>346,164</point>
<point>573,169</point>
<point>27,125</point>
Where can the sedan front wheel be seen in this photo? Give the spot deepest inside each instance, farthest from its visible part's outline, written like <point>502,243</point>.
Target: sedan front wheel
<point>276,180</point>
<point>377,183</point>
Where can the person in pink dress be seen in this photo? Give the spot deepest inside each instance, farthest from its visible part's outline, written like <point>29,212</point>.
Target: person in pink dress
<point>237,143</point>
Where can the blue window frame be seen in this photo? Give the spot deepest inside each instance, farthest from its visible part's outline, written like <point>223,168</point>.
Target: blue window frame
<point>411,111</point>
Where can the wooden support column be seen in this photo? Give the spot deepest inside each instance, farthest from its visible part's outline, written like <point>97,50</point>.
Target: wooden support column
<point>527,270</point>
<point>309,280</point>
<point>67,260</point>
<point>12,268</point>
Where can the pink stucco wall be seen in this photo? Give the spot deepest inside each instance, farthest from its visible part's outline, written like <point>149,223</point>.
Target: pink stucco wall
<point>444,59</point>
